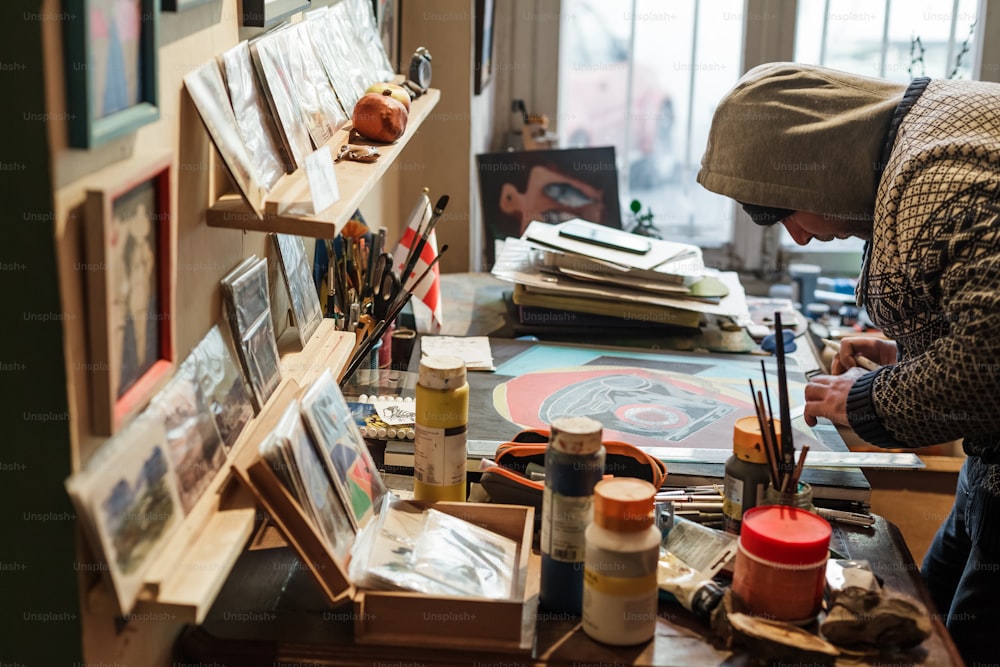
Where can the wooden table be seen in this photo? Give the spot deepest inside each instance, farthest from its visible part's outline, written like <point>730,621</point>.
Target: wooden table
<point>271,614</point>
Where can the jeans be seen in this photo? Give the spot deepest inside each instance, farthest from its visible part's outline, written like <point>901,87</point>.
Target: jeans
<point>962,568</point>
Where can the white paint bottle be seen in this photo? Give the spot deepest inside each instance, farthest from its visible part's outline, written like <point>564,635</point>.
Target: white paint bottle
<point>620,592</point>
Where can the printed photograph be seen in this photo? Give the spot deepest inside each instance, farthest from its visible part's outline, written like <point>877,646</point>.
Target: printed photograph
<point>263,361</point>
<point>342,448</point>
<point>301,289</point>
<point>320,498</point>
<point>129,504</point>
<point>212,366</point>
<point>193,441</point>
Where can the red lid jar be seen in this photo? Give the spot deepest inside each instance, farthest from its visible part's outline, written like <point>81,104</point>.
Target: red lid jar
<point>781,563</point>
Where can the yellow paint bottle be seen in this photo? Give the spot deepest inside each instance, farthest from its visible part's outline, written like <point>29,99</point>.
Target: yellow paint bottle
<point>442,423</point>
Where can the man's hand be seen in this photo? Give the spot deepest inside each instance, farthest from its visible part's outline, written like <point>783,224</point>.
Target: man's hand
<point>882,352</point>
<point>826,396</point>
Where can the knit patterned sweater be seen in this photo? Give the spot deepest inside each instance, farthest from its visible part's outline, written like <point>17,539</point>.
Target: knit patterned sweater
<point>931,279</point>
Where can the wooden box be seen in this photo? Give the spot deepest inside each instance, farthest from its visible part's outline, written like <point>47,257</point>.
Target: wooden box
<point>405,618</point>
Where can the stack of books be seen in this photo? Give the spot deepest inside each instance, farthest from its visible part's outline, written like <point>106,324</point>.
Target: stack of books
<point>581,274</point>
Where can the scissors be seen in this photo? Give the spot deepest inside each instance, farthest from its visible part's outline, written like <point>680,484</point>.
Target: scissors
<point>386,286</point>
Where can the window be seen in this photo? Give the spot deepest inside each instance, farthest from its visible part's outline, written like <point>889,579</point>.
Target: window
<point>675,60</point>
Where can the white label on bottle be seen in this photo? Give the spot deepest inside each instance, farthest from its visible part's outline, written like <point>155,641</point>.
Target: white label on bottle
<point>564,522</point>
<point>732,502</point>
<point>439,455</point>
<point>620,595</point>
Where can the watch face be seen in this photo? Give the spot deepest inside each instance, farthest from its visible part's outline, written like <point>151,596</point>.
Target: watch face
<point>420,70</point>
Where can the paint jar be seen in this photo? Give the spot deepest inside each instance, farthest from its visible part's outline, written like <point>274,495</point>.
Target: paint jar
<point>441,425</point>
<point>801,498</point>
<point>574,463</point>
<point>620,591</point>
<point>747,472</point>
<point>781,563</point>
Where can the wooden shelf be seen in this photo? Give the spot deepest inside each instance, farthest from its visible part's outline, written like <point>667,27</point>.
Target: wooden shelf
<point>286,209</point>
<point>187,575</point>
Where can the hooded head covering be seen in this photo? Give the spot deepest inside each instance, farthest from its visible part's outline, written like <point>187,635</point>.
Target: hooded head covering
<point>793,137</point>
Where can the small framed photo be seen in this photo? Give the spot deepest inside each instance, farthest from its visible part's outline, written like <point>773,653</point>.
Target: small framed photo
<point>130,275</point>
<point>266,13</point>
<point>111,69</point>
<point>342,449</point>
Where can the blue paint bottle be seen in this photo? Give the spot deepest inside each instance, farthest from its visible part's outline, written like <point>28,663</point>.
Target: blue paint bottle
<point>574,463</point>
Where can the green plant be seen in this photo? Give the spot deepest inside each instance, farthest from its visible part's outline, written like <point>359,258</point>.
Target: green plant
<point>642,223</point>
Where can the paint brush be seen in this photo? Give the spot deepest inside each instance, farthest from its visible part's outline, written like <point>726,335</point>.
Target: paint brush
<point>418,250</point>
<point>859,359</point>
<point>368,342</point>
<point>787,446</point>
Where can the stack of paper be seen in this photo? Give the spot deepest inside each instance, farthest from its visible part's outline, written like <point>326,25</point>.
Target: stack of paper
<point>576,268</point>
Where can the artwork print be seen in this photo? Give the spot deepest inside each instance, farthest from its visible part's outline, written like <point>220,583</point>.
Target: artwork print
<point>211,366</point>
<point>111,67</point>
<point>128,501</point>
<point>649,399</point>
<point>342,448</point>
<point>193,441</point>
<point>321,497</point>
<point>129,272</point>
<point>135,302</point>
<point>552,186</point>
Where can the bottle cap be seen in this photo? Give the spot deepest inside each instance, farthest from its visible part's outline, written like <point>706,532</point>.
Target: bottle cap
<point>624,504</point>
<point>786,535</point>
<point>442,372</point>
<point>576,435</point>
<point>748,443</point>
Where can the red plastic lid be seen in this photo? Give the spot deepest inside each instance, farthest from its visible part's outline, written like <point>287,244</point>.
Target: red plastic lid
<point>787,535</point>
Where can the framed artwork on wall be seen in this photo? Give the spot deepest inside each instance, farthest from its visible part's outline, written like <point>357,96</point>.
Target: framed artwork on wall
<point>387,21</point>
<point>181,5</point>
<point>111,69</point>
<point>485,11</point>
<point>266,13</point>
<point>130,269</point>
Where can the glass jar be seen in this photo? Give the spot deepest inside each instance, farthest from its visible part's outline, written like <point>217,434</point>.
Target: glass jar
<point>801,498</point>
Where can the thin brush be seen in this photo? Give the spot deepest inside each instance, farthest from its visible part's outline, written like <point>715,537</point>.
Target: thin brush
<point>442,202</point>
<point>787,447</point>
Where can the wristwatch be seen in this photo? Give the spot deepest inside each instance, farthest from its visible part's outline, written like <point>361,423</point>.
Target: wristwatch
<point>420,68</point>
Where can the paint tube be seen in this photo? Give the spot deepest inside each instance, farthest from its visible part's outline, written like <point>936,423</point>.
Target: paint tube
<point>690,556</point>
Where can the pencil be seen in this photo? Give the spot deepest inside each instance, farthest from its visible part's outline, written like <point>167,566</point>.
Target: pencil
<point>860,359</point>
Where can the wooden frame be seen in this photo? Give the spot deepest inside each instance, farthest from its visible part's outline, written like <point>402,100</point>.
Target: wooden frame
<point>129,230</point>
<point>266,13</point>
<point>485,12</point>
<point>182,5</point>
<point>112,86</point>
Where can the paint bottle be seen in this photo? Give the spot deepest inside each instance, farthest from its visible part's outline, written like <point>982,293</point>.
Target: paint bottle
<point>442,422</point>
<point>780,566</point>
<point>574,463</point>
<point>620,591</point>
<point>747,473</point>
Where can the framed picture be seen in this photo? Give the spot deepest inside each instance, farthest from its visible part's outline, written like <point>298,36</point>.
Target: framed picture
<point>516,187</point>
<point>111,70</point>
<point>485,11</point>
<point>266,13</point>
<point>181,5</point>
<point>130,269</point>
